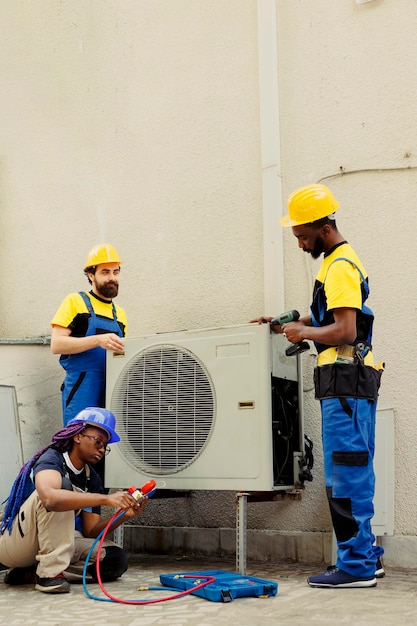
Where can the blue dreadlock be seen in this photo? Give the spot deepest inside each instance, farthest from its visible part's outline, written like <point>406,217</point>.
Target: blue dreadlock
<point>23,485</point>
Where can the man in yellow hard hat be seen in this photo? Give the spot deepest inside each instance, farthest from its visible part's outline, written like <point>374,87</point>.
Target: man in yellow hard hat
<point>84,327</point>
<point>346,383</point>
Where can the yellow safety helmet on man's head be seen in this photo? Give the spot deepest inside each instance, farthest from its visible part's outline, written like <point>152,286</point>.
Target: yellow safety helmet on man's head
<point>309,204</point>
<point>102,253</point>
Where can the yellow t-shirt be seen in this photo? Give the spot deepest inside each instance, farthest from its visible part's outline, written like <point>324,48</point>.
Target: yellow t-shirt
<point>342,288</point>
<point>73,314</point>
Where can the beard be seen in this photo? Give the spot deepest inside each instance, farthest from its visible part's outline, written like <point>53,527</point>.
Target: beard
<point>318,247</point>
<point>108,290</point>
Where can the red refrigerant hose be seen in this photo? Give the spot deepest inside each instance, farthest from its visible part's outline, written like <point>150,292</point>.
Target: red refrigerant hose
<point>147,490</point>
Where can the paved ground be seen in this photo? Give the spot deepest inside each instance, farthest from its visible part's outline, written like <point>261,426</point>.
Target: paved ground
<point>393,601</point>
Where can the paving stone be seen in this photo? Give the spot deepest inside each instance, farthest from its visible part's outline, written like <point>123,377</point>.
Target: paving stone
<point>393,601</point>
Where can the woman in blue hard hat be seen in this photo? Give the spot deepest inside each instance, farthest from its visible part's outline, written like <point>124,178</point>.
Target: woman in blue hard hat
<point>52,514</point>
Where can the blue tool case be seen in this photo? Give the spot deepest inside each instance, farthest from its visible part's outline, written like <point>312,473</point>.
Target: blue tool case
<point>225,588</point>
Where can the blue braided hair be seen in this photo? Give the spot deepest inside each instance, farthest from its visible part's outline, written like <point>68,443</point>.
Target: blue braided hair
<point>23,485</point>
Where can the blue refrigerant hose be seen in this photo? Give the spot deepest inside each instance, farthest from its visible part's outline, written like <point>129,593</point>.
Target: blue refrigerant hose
<point>207,579</point>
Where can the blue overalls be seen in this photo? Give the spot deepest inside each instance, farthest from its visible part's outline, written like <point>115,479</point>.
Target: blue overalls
<point>348,398</point>
<point>85,383</point>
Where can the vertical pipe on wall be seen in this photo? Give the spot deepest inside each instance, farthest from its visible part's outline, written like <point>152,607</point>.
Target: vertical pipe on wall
<point>274,301</point>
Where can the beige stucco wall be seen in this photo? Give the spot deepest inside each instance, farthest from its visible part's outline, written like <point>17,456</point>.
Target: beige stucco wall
<point>140,123</point>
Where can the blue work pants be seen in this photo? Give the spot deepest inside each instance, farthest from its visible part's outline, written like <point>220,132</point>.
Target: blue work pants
<point>348,433</point>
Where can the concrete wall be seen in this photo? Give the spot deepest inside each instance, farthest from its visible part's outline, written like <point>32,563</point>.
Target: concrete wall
<point>140,123</point>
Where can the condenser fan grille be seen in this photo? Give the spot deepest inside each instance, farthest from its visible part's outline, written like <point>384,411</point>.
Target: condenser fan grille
<point>165,408</point>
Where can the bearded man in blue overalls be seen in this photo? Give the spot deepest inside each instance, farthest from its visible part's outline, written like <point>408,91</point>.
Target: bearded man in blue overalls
<point>346,383</point>
<point>84,327</point>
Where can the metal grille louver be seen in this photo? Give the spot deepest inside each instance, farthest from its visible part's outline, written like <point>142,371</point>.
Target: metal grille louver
<point>164,403</point>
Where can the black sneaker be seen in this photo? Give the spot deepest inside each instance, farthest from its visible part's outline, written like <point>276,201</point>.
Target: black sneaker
<point>20,576</point>
<point>58,584</point>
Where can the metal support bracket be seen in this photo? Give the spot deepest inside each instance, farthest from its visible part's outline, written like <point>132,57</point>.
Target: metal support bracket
<point>241,526</point>
<point>118,535</point>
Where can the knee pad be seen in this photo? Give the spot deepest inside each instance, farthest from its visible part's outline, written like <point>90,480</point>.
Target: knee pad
<point>344,524</point>
<point>112,566</point>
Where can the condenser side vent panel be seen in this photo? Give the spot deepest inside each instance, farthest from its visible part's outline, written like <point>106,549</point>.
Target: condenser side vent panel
<point>11,455</point>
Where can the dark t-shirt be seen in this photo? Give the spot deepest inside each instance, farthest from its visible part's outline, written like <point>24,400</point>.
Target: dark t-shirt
<point>51,459</point>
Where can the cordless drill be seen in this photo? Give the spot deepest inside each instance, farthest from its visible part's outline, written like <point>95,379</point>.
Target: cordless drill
<point>286,318</point>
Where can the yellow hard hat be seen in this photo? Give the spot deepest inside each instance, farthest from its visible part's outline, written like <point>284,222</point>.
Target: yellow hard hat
<point>309,204</point>
<point>102,253</point>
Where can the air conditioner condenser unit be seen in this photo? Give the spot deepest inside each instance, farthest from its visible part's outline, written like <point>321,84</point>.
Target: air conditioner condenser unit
<point>215,409</point>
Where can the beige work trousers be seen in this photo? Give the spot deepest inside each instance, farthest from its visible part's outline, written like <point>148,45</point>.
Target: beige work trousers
<point>46,538</point>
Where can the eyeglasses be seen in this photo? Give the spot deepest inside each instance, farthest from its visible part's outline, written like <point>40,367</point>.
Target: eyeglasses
<point>99,443</point>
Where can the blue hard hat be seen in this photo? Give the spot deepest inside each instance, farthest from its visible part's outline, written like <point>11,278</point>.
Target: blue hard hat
<point>99,418</point>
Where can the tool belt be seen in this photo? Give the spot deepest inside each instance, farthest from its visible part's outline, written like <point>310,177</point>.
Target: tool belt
<point>347,380</point>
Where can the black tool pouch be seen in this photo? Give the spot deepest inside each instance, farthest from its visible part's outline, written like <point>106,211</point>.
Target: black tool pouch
<point>345,380</point>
